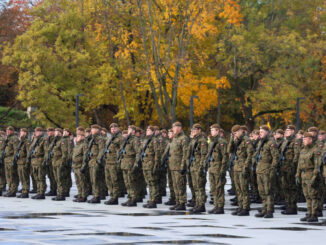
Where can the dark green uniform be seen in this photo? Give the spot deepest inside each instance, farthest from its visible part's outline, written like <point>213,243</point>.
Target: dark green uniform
<point>80,178</point>
<point>169,174</point>
<point>162,172</point>
<point>11,171</point>
<point>49,168</point>
<point>178,165</point>
<point>67,168</point>
<point>253,176</point>
<point>2,166</point>
<point>23,166</point>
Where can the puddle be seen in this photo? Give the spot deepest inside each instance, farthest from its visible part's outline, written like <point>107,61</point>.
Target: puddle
<point>240,225</point>
<point>43,215</point>
<point>156,213</point>
<point>151,228</point>
<point>320,223</point>
<point>195,218</point>
<point>179,242</point>
<point>7,229</point>
<point>219,236</point>
<point>107,234</point>
<point>286,228</point>
<point>199,226</point>
<point>47,231</point>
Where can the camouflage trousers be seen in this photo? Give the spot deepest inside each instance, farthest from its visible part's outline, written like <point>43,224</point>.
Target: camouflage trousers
<point>191,186</point>
<point>39,173</point>
<point>199,181</point>
<point>103,185</point>
<point>112,180</point>
<point>163,181</point>
<point>241,183</point>
<point>264,182</point>
<point>141,186</point>
<point>34,183</point>
<point>289,188</point>
<point>60,178</point>
<point>179,185</point>
<point>151,179</point>
<point>81,183</point>
<point>253,184</point>
<point>94,174</point>
<point>170,183</point>
<point>122,186</point>
<point>50,174</point>
<point>130,178</point>
<point>11,177</point>
<point>67,179</point>
<point>311,194</point>
<point>2,177</point>
<point>23,173</point>
<point>217,184</point>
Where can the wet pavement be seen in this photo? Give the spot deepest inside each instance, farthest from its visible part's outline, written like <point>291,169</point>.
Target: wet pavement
<point>27,221</point>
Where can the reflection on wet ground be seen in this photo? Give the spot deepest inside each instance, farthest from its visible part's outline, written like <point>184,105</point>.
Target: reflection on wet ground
<point>320,223</point>
<point>200,226</point>
<point>44,215</point>
<point>219,235</point>
<point>47,231</point>
<point>184,242</point>
<point>7,229</point>
<point>151,228</point>
<point>285,228</point>
<point>106,234</point>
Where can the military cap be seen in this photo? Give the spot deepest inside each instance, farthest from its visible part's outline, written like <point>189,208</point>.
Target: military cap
<point>24,130</point>
<point>2,130</point>
<point>235,128</point>
<point>38,129</point>
<point>177,124</point>
<point>196,126</point>
<point>138,130</point>
<point>67,129</point>
<point>80,129</point>
<point>264,127</point>
<point>291,127</point>
<point>114,125</point>
<point>156,128</point>
<point>300,132</point>
<point>133,127</point>
<point>50,129</point>
<point>152,128</point>
<point>104,129</point>
<point>164,131</point>
<point>307,134</point>
<point>96,127</point>
<point>11,128</point>
<point>322,132</point>
<point>170,130</point>
<point>59,129</point>
<point>222,130</point>
<point>255,131</point>
<point>244,127</point>
<point>280,131</point>
<point>313,129</point>
<point>125,132</point>
<point>216,126</point>
<point>87,130</point>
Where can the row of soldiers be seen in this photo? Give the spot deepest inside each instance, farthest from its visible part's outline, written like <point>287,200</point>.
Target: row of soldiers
<point>128,161</point>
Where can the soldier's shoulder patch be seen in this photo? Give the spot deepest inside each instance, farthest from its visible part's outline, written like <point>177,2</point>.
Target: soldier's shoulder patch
<point>272,145</point>
<point>318,153</point>
<point>296,143</point>
<point>247,142</point>
<point>222,144</point>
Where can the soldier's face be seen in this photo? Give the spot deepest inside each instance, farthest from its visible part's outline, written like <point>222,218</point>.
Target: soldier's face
<point>238,134</point>
<point>125,135</point>
<point>299,136</point>
<point>131,131</point>
<point>38,133</point>
<point>149,132</point>
<point>86,134</point>
<point>57,133</point>
<point>22,134</point>
<point>9,132</point>
<point>164,135</point>
<point>214,132</point>
<point>94,131</point>
<point>255,136</point>
<point>79,138</point>
<point>170,135</point>
<point>176,129</point>
<point>278,136</point>
<point>50,133</point>
<point>114,130</point>
<point>322,137</point>
<point>196,131</point>
<point>262,133</point>
<point>288,132</point>
<point>307,141</point>
<point>65,133</point>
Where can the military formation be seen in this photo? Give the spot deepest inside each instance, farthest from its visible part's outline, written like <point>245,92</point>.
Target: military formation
<point>281,167</point>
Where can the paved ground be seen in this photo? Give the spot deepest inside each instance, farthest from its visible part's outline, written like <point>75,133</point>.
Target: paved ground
<point>48,222</point>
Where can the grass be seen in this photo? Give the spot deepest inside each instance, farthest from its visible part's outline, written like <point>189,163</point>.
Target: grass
<point>15,118</point>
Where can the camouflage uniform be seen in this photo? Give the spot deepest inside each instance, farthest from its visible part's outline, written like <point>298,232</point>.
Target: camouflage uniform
<point>169,175</point>
<point>177,165</point>
<point>2,167</point>
<point>11,171</point>
<point>308,172</point>
<point>253,176</point>
<point>241,171</point>
<point>265,173</point>
<point>67,168</point>
<point>23,166</point>
<point>80,178</point>
<point>60,162</point>
<point>162,172</point>
<point>197,169</point>
<point>49,168</point>
<point>37,161</point>
<point>288,171</point>
<point>319,147</point>
<point>217,171</point>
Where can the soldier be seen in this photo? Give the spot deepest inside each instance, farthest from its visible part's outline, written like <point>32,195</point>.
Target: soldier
<point>60,162</point>
<point>178,165</point>
<point>149,157</point>
<point>21,161</point>
<point>165,161</point>
<point>268,157</point>
<point>127,157</point>
<point>254,137</point>
<point>104,133</point>
<point>110,152</point>
<point>308,173</point>
<point>323,160</point>
<point>67,135</point>
<point>192,201</point>
<point>88,138</point>
<point>161,172</point>
<point>10,170</point>
<point>141,187</point>
<point>287,167</point>
<point>242,152</point>
<point>278,195</point>
<point>2,165</point>
<point>197,154</point>
<point>95,147</point>
<point>77,159</point>
<point>49,167</point>
<point>217,164</point>
<point>35,157</point>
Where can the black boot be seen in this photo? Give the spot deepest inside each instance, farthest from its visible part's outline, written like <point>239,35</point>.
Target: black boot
<point>260,214</point>
<point>76,196</point>
<point>151,204</point>
<point>290,211</point>
<point>0,193</point>
<point>304,219</point>
<point>268,215</point>
<point>132,203</point>
<point>51,193</point>
<point>94,200</point>
<point>158,200</point>
<point>33,191</point>
<point>170,202</point>
<point>313,219</point>
<point>200,209</point>
<point>40,197</point>
<point>125,203</point>
<point>174,207</point>
<point>112,201</point>
<point>244,212</point>
<point>59,198</point>
<point>191,204</point>
<point>80,199</point>
<point>23,195</point>
<point>10,194</point>
<point>181,207</point>
<point>238,210</point>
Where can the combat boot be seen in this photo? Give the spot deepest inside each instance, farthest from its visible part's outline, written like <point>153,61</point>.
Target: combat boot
<point>76,196</point>
<point>199,209</point>
<point>33,197</point>
<point>305,218</point>
<point>181,207</point>
<point>174,207</point>
<point>312,219</point>
<point>102,197</point>
<point>23,195</point>
<point>290,211</point>
<point>0,193</point>
<point>33,191</point>
<point>237,211</point>
<point>125,203</point>
<point>112,201</point>
<point>244,212</point>
<point>151,205</point>
<point>10,194</point>
<point>80,199</point>
<point>260,214</point>
<point>94,200</point>
<point>219,211</point>
<point>158,200</point>
<point>170,202</point>
<point>132,203</point>
<point>319,213</point>
<point>20,191</point>
<point>212,211</point>
<point>59,198</point>
<point>51,193</point>
<point>139,199</point>
<point>268,215</point>
<point>39,197</point>
<point>191,204</point>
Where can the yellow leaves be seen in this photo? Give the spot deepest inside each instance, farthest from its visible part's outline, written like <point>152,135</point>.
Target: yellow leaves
<point>231,12</point>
